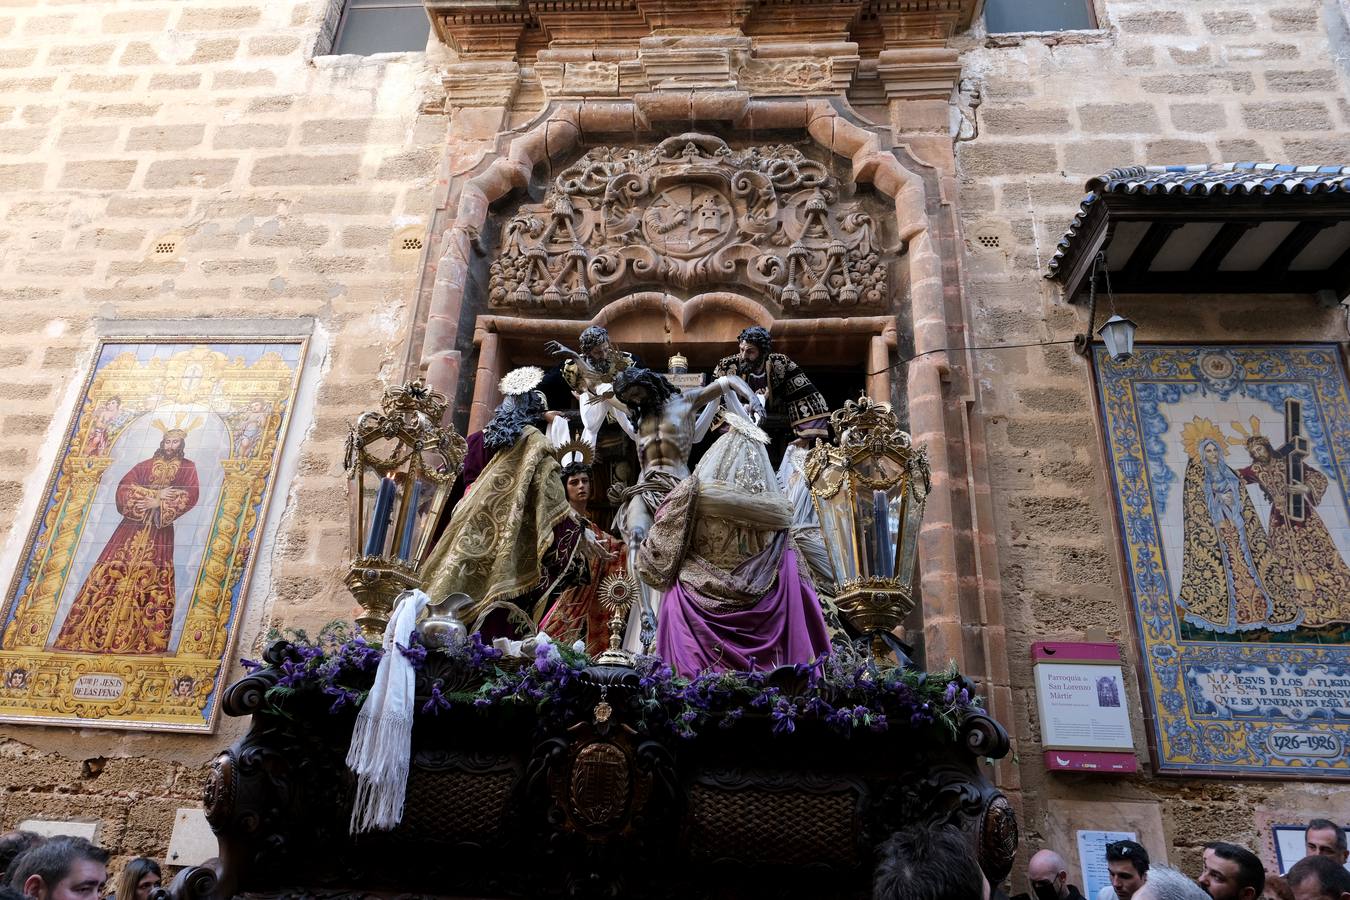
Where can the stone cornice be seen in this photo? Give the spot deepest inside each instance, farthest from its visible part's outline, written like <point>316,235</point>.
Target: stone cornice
<point>918,73</point>
<point>493,29</point>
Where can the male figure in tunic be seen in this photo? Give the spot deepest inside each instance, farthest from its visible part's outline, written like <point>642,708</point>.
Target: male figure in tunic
<point>126,603</point>
<point>578,614</point>
<point>794,409</point>
<point>590,374</point>
<point>1303,548</point>
<point>667,422</point>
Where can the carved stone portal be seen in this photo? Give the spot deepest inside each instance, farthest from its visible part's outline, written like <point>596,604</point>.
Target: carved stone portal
<point>691,213</point>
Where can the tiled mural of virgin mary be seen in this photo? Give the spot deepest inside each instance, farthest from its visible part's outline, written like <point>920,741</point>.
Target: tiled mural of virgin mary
<point>1230,468</point>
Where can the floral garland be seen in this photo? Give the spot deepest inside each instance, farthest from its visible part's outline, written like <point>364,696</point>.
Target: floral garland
<point>846,691</point>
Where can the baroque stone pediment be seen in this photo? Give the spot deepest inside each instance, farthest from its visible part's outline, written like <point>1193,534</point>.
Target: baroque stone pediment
<point>691,213</point>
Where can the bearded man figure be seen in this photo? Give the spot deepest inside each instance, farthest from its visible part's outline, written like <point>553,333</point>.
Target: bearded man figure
<point>513,540</point>
<point>126,603</point>
<point>794,409</point>
<point>668,422</point>
<point>1302,547</point>
<point>590,374</point>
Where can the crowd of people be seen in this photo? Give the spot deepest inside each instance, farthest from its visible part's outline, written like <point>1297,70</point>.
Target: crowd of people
<point>926,864</point>
<point>65,867</point>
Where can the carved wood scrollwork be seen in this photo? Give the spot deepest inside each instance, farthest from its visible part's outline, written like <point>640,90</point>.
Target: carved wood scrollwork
<point>586,806</point>
<point>691,213</point>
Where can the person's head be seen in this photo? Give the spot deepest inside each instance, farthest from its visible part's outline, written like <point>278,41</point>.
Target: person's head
<point>1277,888</point>
<point>1231,872</point>
<point>643,391</point>
<point>595,342</point>
<point>62,868</point>
<point>171,445</point>
<point>113,404</point>
<point>576,478</point>
<point>753,346</point>
<point>512,415</point>
<point>1166,883</point>
<point>1319,878</point>
<point>1127,862</point>
<point>928,864</point>
<point>182,686</point>
<point>1325,838</point>
<point>1259,449</point>
<point>1048,875</point>
<point>12,843</point>
<point>17,678</point>
<point>139,877</point>
<point>1210,450</point>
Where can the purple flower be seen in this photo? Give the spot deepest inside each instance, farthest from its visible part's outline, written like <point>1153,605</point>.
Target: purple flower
<point>766,697</point>
<point>480,653</point>
<point>292,674</point>
<point>731,717</point>
<point>341,697</point>
<point>784,716</point>
<point>416,654</point>
<point>437,701</point>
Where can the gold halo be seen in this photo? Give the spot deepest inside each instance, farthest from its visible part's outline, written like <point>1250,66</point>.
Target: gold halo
<point>1198,430</point>
<point>1255,422</point>
<point>521,381</point>
<point>583,450</point>
<point>182,424</point>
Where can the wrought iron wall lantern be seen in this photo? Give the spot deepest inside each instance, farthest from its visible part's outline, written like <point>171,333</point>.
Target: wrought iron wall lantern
<point>1117,332</point>
<point>401,463</point>
<point>869,488</point>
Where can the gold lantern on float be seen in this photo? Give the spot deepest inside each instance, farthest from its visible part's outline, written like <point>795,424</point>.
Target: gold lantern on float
<point>869,488</point>
<point>401,463</point>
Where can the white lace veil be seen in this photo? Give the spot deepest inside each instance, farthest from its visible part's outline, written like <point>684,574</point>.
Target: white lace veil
<point>736,481</point>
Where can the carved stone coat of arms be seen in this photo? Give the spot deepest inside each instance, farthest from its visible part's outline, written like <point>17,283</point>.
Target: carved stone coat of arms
<point>691,213</point>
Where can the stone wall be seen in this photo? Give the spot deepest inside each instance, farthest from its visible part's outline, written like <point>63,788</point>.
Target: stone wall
<point>1160,83</point>
<point>282,181</point>
<point>285,183</point>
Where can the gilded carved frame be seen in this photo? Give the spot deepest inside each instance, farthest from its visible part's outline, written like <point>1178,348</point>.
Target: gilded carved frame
<point>166,380</point>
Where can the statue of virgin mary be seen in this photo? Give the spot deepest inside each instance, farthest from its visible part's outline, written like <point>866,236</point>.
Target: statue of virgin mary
<point>1229,580</point>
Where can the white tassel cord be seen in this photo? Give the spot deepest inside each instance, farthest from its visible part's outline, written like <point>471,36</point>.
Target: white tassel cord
<point>382,739</point>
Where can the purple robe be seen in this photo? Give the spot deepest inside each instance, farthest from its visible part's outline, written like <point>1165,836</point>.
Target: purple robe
<point>784,628</point>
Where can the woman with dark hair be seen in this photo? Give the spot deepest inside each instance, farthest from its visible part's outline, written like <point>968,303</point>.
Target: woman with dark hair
<point>138,879</point>
<point>512,540</point>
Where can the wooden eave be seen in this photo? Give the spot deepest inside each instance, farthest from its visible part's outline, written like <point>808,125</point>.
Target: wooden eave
<point>1238,244</point>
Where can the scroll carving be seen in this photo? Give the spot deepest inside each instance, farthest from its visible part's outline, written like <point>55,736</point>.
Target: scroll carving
<point>691,213</point>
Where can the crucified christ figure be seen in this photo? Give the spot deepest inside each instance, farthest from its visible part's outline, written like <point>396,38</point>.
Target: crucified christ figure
<point>668,423</point>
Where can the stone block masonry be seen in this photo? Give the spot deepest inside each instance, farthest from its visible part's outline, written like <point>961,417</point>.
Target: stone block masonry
<point>125,124</point>
<point>1160,83</point>
<point>279,182</point>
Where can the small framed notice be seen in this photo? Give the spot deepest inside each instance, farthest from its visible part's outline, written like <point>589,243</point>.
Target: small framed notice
<point>1085,722</point>
<point>1092,857</point>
